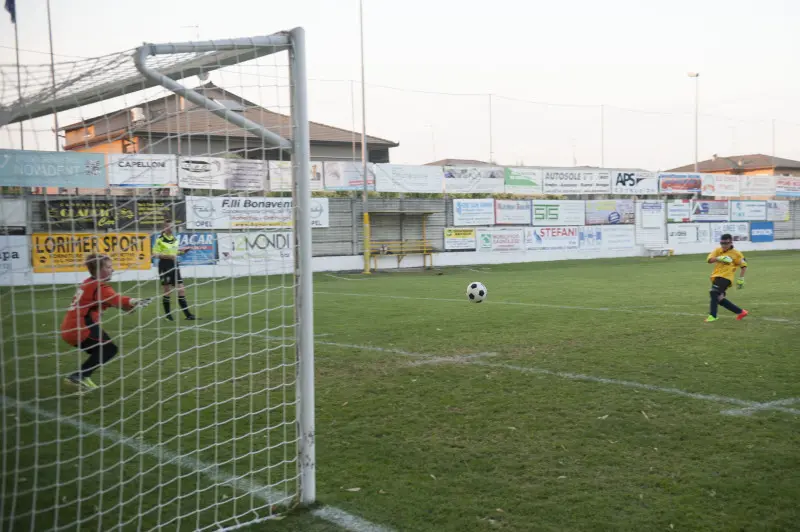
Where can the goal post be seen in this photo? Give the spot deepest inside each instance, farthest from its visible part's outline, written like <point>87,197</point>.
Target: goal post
<point>201,422</point>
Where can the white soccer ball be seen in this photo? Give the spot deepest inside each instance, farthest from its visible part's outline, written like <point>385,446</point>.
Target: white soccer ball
<point>476,292</point>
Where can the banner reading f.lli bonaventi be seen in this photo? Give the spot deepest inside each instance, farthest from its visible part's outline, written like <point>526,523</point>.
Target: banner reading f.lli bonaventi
<point>257,212</point>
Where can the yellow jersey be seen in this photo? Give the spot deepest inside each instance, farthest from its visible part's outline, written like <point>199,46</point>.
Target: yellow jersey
<point>727,271</point>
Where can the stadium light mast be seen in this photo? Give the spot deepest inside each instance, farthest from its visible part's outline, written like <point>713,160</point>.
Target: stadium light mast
<point>696,76</point>
<point>364,157</point>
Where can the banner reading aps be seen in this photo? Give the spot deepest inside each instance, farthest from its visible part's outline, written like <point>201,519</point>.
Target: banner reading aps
<point>66,252</point>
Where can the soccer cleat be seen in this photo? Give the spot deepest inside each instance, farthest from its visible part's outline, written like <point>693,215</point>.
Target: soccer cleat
<point>84,384</point>
<point>742,315</point>
<point>191,317</point>
<point>710,319</point>
<point>169,317</point>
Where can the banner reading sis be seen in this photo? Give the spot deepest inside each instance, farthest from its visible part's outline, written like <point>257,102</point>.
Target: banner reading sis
<point>66,252</point>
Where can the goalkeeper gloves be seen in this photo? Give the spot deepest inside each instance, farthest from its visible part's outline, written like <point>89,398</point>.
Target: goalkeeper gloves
<point>725,259</point>
<point>739,283</point>
<point>140,303</point>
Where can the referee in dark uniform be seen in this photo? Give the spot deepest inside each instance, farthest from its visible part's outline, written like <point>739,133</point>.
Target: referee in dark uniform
<point>166,250</point>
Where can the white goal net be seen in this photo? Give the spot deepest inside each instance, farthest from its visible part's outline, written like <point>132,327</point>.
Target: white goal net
<point>156,334</point>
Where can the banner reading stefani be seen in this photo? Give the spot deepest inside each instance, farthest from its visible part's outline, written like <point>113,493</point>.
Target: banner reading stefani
<point>280,176</point>
<point>271,249</point>
<point>524,181</point>
<point>722,185</point>
<point>710,211</point>
<point>559,212</point>
<point>787,186</point>
<point>220,173</point>
<point>240,213</point>
<point>569,181</point>
<point>348,175</point>
<point>541,238</point>
<point>409,178</point>
<point>474,179</point>
<point>459,238</point>
<point>512,212</point>
<point>603,212</point>
<point>66,252</point>
<point>142,171</point>
<point>22,168</point>
<point>634,183</point>
<point>680,183</point>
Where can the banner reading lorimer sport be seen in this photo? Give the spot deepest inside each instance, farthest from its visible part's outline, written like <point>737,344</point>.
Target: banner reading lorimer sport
<point>569,181</point>
<point>270,251</point>
<point>66,252</point>
<point>242,213</point>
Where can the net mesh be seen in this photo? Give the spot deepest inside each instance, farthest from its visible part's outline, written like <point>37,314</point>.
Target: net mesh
<point>193,422</point>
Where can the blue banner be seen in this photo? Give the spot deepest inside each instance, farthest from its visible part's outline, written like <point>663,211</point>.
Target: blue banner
<point>202,249</point>
<point>762,231</point>
<point>68,169</point>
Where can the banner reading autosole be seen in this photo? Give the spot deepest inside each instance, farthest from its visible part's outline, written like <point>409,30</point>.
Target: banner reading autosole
<point>67,252</point>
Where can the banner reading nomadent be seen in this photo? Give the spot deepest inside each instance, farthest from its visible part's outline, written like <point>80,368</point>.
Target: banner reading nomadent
<point>543,238</point>
<point>740,231</point>
<point>602,212</point>
<point>459,238</point>
<point>746,211</point>
<point>348,175</point>
<point>722,185</point>
<point>27,168</point>
<point>66,252</point>
<point>221,173</point>
<point>474,179</point>
<point>280,176</point>
<point>559,212</point>
<point>496,239</point>
<point>512,212</point>
<point>788,186</point>
<point>409,178</point>
<point>136,170</point>
<point>778,211</point>
<point>629,182</point>
<point>523,181</point>
<point>473,211</point>
<point>680,183</point>
<point>607,237</point>
<point>257,249</point>
<point>568,181</point>
<point>710,211</point>
<point>218,212</point>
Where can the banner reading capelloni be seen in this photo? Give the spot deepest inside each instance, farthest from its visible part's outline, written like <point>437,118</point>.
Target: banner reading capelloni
<point>66,252</point>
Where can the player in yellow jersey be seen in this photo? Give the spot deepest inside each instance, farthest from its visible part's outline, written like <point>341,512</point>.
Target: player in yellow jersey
<point>726,260</point>
<point>166,250</point>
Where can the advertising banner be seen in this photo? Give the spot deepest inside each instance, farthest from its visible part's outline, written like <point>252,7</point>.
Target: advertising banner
<point>256,248</point>
<point>524,181</point>
<point>66,252</point>
<point>762,231</point>
<point>137,170</point>
<point>740,231</point>
<point>459,239</point>
<point>501,239</point>
<point>607,237</point>
<point>679,210</point>
<point>14,257</point>
<point>568,181</point>
<point>710,211</point>
<point>222,173</point>
<point>202,249</point>
<point>788,186</point>
<point>27,168</point>
<point>280,176</point>
<point>347,175</point>
<point>409,178</point>
<point>550,238</point>
<point>559,212</point>
<point>778,211</point>
<point>652,214</point>
<point>745,211</point>
<point>240,213</point>
<point>633,183</point>
<point>473,211</point>
<point>721,185</point>
<point>13,215</point>
<point>474,179</point>
<point>512,212</point>
<point>688,234</point>
<point>680,183</point>
<point>757,185</point>
<point>119,213</point>
<point>602,212</point>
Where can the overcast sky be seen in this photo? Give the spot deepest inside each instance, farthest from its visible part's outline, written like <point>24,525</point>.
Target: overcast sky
<point>631,56</point>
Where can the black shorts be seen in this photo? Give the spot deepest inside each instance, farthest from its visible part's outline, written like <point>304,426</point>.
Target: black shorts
<point>170,276</point>
<point>97,336</point>
<point>722,283</point>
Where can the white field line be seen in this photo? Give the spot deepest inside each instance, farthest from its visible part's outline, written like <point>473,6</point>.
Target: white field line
<point>166,457</point>
<point>344,278</point>
<point>762,406</point>
<point>546,305</point>
<point>460,359</point>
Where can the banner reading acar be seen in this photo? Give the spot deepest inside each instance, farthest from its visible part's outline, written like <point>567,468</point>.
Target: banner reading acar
<point>67,252</point>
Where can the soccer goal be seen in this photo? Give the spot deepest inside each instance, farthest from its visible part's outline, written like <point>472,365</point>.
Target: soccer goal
<point>156,331</point>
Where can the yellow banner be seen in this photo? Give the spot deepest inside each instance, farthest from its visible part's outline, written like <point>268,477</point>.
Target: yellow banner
<point>66,252</point>
<point>459,233</point>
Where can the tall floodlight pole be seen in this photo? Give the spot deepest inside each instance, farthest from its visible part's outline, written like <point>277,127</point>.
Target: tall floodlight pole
<point>53,73</point>
<point>364,192</point>
<point>696,76</point>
